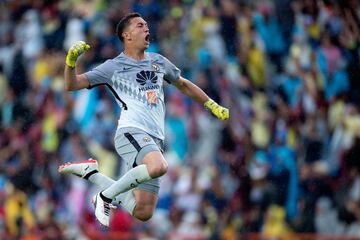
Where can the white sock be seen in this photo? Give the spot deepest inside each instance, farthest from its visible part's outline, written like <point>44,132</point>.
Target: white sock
<point>101,180</point>
<point>126,199</point>
<point>130,180</point>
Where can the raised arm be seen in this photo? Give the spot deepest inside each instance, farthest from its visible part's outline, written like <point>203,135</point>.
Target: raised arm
<point>72,80</point>
<point>191,90</point>
<point>194,92</point>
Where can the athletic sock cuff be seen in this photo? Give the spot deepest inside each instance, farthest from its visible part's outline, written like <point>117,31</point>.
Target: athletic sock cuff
<point>90,174</point>
<point>106,199</point>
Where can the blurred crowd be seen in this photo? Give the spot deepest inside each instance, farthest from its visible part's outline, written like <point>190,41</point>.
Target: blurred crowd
<point>286,162</point>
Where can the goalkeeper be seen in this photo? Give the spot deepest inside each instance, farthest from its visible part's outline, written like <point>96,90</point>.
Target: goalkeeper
<point>135,78</point>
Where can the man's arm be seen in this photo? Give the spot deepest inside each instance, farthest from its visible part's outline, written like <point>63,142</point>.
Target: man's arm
<point>191,90</point>
<point>197,94</point>
<point>72,80</point>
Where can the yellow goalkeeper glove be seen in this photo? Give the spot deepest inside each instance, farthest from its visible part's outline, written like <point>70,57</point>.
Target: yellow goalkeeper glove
<point>75,51</point>
<point>219,111</point>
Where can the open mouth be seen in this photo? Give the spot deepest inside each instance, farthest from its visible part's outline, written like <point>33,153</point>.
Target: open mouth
<point>147,38</point>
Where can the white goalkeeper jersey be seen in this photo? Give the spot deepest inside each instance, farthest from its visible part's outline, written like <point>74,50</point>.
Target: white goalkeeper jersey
<point>138,88</point>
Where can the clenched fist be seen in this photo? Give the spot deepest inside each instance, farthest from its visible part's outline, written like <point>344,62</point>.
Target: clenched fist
<point>75,51</point>
<point>220,112</point>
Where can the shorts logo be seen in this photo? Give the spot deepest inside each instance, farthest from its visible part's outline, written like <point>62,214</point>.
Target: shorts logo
<point>147,139</point>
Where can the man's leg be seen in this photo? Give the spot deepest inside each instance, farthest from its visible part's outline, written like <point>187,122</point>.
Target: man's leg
<point>145,204</point>
<point>88,170</point>
<point>146,195</point>
<point>140,204</point>
<point>153,166</point>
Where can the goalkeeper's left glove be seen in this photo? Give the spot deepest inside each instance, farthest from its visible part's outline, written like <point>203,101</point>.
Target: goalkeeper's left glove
<point>220,112</point>
<point>75,51</point>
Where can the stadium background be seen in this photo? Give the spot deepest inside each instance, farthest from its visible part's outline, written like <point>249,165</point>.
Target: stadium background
<point>286,163</point>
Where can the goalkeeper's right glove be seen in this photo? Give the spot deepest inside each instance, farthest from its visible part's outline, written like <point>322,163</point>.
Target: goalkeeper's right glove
<point>75,51</point>
<point>220,112</point>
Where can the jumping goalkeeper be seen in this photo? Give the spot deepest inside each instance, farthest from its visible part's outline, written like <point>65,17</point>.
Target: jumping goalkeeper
<point>135,78</point>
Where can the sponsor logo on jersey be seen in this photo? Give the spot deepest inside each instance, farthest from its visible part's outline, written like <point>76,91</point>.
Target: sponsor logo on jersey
<point>147,80</point>
<point>151,97</point>
<point>144,77</point>
<point>151,87</point>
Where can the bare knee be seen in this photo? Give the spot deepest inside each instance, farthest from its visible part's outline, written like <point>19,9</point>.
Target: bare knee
<point>143,214</point>
<point>156,164</point>
<point>158,169</point>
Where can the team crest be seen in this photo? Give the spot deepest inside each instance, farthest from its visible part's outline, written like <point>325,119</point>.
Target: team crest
<point>156,67</point>
<point>146,139</point>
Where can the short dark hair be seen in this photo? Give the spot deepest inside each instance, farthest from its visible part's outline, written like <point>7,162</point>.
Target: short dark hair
<point>124,23</point>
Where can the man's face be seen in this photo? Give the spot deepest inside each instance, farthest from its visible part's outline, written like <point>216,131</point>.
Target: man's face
<point>138,34</point>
